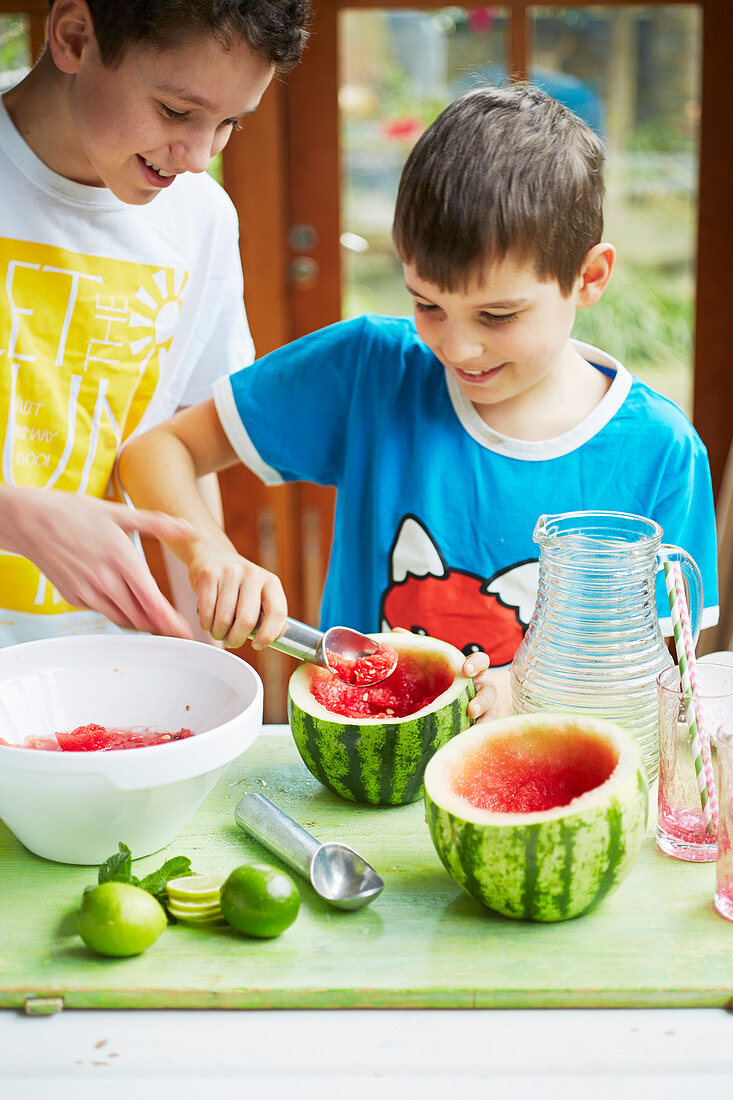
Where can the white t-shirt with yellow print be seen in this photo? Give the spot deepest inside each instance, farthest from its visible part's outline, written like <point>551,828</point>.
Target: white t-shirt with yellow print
<point>111,317</point>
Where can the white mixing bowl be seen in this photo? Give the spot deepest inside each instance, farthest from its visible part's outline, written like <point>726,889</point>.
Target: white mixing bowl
<point>74,807</point>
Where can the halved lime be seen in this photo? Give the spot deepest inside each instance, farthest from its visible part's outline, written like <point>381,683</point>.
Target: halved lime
<point>203,888</point>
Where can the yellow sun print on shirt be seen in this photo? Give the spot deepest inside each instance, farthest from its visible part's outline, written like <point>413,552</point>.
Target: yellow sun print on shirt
<point>156,309</point>
<point>83,340</point>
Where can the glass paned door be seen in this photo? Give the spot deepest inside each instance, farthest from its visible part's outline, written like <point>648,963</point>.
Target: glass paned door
<point>632,72</point>
<point>399,69</point>
<point>15,49</point>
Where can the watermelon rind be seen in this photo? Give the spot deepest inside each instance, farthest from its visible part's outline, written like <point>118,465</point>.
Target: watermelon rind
<point>548,866</point>
<point>372,760</point>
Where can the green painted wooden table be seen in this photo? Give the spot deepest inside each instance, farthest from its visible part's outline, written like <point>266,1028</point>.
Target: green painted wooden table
<point>656,942</point>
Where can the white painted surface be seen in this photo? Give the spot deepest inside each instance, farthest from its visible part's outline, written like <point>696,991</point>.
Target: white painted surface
<point>555,1053</point>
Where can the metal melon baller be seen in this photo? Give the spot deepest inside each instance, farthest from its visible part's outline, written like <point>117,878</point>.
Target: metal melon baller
<point>308,644</point>
<point>336,872</point>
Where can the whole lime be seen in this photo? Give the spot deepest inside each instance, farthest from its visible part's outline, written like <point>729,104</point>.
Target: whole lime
<point>260,900</point>
<point>119,919</point>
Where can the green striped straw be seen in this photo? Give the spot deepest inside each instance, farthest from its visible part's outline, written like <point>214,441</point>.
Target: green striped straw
<point>685,661</point>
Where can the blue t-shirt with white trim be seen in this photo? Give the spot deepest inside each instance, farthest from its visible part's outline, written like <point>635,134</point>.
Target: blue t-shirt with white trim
<point>435,510</point>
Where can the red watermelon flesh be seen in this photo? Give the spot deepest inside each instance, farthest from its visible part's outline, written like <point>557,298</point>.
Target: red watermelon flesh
<point>96,738</point>
<point>414,684</point>
<point>534,772</point>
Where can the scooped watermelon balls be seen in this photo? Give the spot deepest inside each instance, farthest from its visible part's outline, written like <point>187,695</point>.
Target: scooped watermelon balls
<point>368,669</point>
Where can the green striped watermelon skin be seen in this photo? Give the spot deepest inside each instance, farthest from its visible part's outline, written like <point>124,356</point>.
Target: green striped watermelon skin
<point>550,870</point>
<point>381,764</point>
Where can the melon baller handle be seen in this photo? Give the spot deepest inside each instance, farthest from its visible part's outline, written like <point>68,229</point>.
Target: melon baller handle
<point>268,824</point>
<point>301,641</point>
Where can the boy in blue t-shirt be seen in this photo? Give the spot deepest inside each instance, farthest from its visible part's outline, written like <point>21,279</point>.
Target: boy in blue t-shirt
<point>448,435</point>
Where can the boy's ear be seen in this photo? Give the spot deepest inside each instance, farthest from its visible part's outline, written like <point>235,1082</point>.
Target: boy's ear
<point>595,273</point>
<point>70,30</point>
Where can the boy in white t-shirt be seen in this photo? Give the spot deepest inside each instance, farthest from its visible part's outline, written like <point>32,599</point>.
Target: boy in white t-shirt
<point>115,309</point>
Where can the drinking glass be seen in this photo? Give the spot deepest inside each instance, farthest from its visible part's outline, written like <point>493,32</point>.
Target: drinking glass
<point>681,827</point>
<point>724,865</point>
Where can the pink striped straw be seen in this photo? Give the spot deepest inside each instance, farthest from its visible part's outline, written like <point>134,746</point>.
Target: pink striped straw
<point>690,667</point>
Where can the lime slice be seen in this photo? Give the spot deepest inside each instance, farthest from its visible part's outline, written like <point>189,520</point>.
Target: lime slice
<point>214,918</point>
<point>179,910</point>
<point>194,908</point>
<point>200,888</point>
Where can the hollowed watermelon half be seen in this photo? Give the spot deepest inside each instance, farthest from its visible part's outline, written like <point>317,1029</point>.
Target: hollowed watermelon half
<point>538,817</point>
<point>372,744</point>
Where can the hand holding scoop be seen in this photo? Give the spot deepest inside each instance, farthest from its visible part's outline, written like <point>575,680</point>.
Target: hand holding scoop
<point>335,871</point>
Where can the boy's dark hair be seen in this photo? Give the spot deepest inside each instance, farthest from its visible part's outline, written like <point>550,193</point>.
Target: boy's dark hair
<point>276,29</point>
<point>501,170</point>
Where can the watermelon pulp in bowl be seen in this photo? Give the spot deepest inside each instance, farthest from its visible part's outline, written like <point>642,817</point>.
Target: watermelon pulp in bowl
<point>76,806</point>
<point>538,816</point>
<point>371,744</point>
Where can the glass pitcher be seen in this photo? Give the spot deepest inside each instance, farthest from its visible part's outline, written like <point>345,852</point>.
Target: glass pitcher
<point>594,645</point>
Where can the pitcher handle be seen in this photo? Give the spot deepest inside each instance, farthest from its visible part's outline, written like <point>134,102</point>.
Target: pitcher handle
<point>691,574</point>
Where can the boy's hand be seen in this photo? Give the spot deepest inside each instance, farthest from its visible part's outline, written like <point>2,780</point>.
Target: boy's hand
<point>80,544</point>
<point>493,697</point>
<point>236,598</point>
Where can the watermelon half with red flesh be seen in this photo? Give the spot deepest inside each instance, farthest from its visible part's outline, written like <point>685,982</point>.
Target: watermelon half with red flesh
<point>371,744</point>
<point>538,817</point>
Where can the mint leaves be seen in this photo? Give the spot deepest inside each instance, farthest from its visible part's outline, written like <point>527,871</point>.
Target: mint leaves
<point>155,883</point>
<point>118,868</point>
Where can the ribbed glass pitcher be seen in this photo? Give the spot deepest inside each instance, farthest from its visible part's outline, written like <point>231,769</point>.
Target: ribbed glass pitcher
<point>593,645</point>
